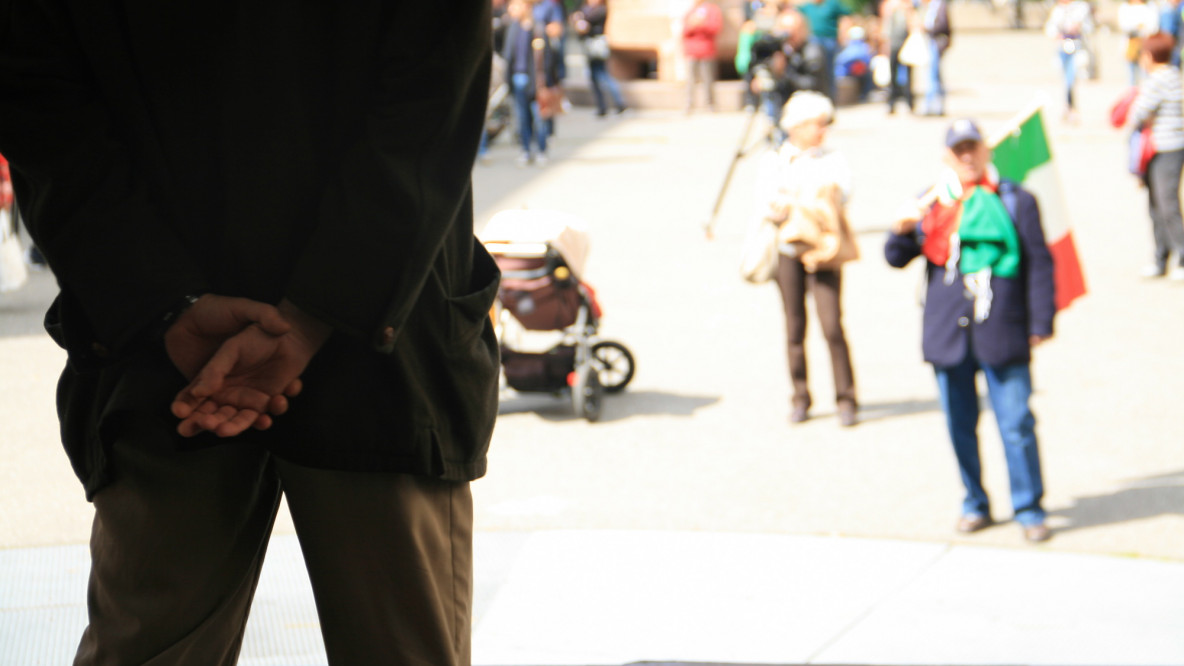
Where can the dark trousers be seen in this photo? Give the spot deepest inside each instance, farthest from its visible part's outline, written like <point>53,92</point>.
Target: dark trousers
<point>1163,196</point>
<point>794,281</point>
<point>179,539</point>
<point>897,89</point>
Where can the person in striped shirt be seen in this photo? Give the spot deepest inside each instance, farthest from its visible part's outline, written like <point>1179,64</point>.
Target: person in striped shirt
<point>1160,104</point>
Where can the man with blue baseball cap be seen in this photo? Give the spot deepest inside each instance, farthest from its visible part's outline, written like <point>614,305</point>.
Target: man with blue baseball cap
<point>989,301</point>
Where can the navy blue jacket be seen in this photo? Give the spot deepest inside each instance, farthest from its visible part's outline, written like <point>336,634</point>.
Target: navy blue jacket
<point>1022,307</point>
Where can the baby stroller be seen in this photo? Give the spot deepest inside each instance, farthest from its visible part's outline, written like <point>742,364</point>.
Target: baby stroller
<point>541,255</point>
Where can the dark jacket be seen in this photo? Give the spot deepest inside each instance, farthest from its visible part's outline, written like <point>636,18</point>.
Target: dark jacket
<point>937,23</point>
<point>805,69</point>
<point>1022,306</point>
<point>547,63</point>
<point>315,151</point>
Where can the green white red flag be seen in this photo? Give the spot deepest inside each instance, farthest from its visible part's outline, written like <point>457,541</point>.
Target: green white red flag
<point>1023,155</point>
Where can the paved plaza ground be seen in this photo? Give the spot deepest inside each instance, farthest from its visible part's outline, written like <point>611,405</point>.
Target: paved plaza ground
<point>693,523</point>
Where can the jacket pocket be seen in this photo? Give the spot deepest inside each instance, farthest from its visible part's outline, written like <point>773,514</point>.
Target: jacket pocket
<point>468,313</point>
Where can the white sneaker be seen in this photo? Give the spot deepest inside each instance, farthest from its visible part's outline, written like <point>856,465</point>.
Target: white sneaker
<point>541,159</point>
<point>1151,271</point>
<point>1177,274</point>
<point>523,159</point>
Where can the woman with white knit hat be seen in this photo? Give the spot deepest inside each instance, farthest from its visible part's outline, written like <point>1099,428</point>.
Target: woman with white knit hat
<point>803,187</point>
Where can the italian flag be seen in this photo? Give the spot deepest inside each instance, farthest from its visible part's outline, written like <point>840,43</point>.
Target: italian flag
<point>1023,155</point>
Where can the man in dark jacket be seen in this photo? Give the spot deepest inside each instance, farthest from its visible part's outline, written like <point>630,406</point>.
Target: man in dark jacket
<point>795,61</point>
<point>260,217</point>
<point>989,300</point>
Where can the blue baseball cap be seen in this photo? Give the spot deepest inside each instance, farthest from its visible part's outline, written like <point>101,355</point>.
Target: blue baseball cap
<point>963,129</point>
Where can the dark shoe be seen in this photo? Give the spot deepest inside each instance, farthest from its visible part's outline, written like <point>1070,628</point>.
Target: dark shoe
<point>973,522</point>
<point>847,417</point>
<point>1038,533</point>
<point>621,109</point>
<point>799,414</point>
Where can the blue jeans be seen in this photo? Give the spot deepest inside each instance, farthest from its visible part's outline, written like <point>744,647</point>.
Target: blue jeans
<point>1009,387</point>
<point>603,82</point>
<point>1069,67</point>
<point>935,92</point>
<point>530,126</point>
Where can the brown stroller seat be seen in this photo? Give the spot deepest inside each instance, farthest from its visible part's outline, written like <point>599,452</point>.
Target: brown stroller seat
<point>541,255</point>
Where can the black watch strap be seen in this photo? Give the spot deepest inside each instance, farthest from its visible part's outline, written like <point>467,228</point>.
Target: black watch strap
<point>170,316</point>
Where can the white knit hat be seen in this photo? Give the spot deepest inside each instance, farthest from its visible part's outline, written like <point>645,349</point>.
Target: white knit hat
<point>804,106</point>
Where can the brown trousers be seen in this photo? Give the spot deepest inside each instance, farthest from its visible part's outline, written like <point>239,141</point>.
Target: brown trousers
<point>794,281</point>
<point>179,539</point>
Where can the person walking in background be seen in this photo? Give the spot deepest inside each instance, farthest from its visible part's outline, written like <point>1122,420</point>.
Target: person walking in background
<point>552,12</point>
<point>804,188</point>
<point>1172,23</point>
<point>1136,19</point>
<point>1160,104</point>
<point>1068,23</point>
<point>761,17</point>
<point>499,88</point>
<point>262,233</point>
<point>700,28</point>
<point>936,20</point>
<point>824,18</point>
<point>988,302</point>
<point>589,24</point>
<point>527,54</point>
<point>794,61</point>
<point>13,273</point>
<point>854,60</point>
<point>896,19</point>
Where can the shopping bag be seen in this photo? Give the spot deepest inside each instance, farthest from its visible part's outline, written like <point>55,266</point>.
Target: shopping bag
<point>915,50</point>
<point>758,257</point>
<point>13,272</point>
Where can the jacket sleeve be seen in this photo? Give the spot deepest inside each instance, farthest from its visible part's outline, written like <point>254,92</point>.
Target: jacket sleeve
<point>84,198</point>
<point>812,75</point>
<point>1038,268</point>
<point>406,177</point>
<point>900,249</point>
<point>1145,105</point>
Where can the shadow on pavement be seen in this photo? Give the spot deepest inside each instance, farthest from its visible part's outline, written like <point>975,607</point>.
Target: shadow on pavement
<point>1144,498</point>
<point>616,407</point>
<point>877,411</point>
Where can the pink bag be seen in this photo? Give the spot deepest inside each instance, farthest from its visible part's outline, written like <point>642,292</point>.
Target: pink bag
<point>1122,107</point>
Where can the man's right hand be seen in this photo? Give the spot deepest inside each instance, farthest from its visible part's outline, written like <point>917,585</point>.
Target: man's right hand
<point>907,218</point>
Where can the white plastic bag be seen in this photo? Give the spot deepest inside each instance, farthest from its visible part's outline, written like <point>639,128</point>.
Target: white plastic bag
<point>758,257</point>
<point>915,50</point>
<point>881,71</point>
<point>13,273</point>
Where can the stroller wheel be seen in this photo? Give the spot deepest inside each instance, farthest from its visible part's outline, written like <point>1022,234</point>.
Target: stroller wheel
<point>615,363</point>
<point>586,393</point>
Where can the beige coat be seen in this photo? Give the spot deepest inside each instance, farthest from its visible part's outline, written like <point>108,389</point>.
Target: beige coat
<point>816,225</point>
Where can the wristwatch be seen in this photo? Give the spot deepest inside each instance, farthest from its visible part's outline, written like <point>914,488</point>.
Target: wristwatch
<point>170,316</point>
